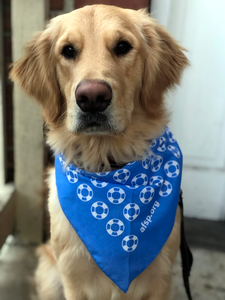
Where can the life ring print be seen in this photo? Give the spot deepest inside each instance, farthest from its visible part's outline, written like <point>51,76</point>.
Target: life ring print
<point>121,175</point>
<point>156,180</point>
<point>147,194</point>
<point>170,135</point>
<point>98,184</point>
<point>172,168</point>
<point>174,150</point>
<point>116,195</point>
<point>62,160</point>
<point>102,173</point>
<point>162,144</point>
<point>153,143</point>
<point>130,243</point>
<point>156,163</point>
<point>115,227</point>
<point>166,189</point>
<point>131,211</point>
<point>146,163</point>
<point>140,179</point>
<point>71,175</point>
<point>84,192</point>
<point>99,210</point>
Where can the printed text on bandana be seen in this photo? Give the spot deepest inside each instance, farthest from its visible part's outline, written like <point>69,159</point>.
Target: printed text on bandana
<point>148,219</point>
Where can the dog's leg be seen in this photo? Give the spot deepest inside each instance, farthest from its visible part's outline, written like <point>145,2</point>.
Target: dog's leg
<point>71,292</point>
<point>98,289</point>
<point>47,281</point>
<point>162,291</point>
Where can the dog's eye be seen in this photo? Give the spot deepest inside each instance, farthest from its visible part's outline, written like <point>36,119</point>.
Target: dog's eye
<point>68,52</point>
<point>122,48</point>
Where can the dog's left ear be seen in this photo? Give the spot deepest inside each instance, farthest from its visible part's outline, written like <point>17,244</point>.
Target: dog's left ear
<point>164,64</point>
<point>36,75</point>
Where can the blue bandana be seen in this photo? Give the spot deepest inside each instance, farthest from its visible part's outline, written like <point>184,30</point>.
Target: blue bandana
<point>124,217</point>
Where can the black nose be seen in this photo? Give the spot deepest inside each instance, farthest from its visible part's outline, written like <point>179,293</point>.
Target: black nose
<point>93,95</point>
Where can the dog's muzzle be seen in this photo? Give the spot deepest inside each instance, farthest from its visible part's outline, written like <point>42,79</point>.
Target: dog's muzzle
<point>93,97</point>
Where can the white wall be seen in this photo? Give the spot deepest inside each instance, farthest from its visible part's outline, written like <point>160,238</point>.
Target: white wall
<point>198,120</point>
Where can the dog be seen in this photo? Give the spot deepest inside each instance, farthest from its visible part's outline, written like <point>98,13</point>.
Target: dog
<point>100,74</point>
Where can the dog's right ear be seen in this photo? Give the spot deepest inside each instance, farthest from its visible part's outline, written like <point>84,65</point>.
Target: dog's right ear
<point>164,65</point>
<point>35,74</point>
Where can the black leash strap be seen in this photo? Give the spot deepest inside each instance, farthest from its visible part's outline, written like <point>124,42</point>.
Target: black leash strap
<point>186,255</point>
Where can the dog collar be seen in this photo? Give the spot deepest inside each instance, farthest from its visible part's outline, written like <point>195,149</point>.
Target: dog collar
<point>124,217</point>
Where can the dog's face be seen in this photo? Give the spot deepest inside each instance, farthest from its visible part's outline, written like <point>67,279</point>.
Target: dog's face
<point>101,71</point>
<point>99,61</point>
<point>94,65</point>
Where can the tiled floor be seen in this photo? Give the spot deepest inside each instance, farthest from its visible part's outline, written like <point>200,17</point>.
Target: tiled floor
<point>207,278</point>
<point>16,266</point>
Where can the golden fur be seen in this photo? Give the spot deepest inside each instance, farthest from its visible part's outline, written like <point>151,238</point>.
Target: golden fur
<point>136,114</point>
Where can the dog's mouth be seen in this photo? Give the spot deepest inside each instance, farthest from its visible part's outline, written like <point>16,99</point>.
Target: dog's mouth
<point>94,123</point>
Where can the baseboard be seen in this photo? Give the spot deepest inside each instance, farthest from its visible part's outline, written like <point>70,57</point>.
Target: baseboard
<point>205,234</point>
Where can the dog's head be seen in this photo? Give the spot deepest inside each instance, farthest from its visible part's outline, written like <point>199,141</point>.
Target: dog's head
<point>101,71</point>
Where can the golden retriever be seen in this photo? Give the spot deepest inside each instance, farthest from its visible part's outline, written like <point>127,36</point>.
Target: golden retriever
<point>130,61</point>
